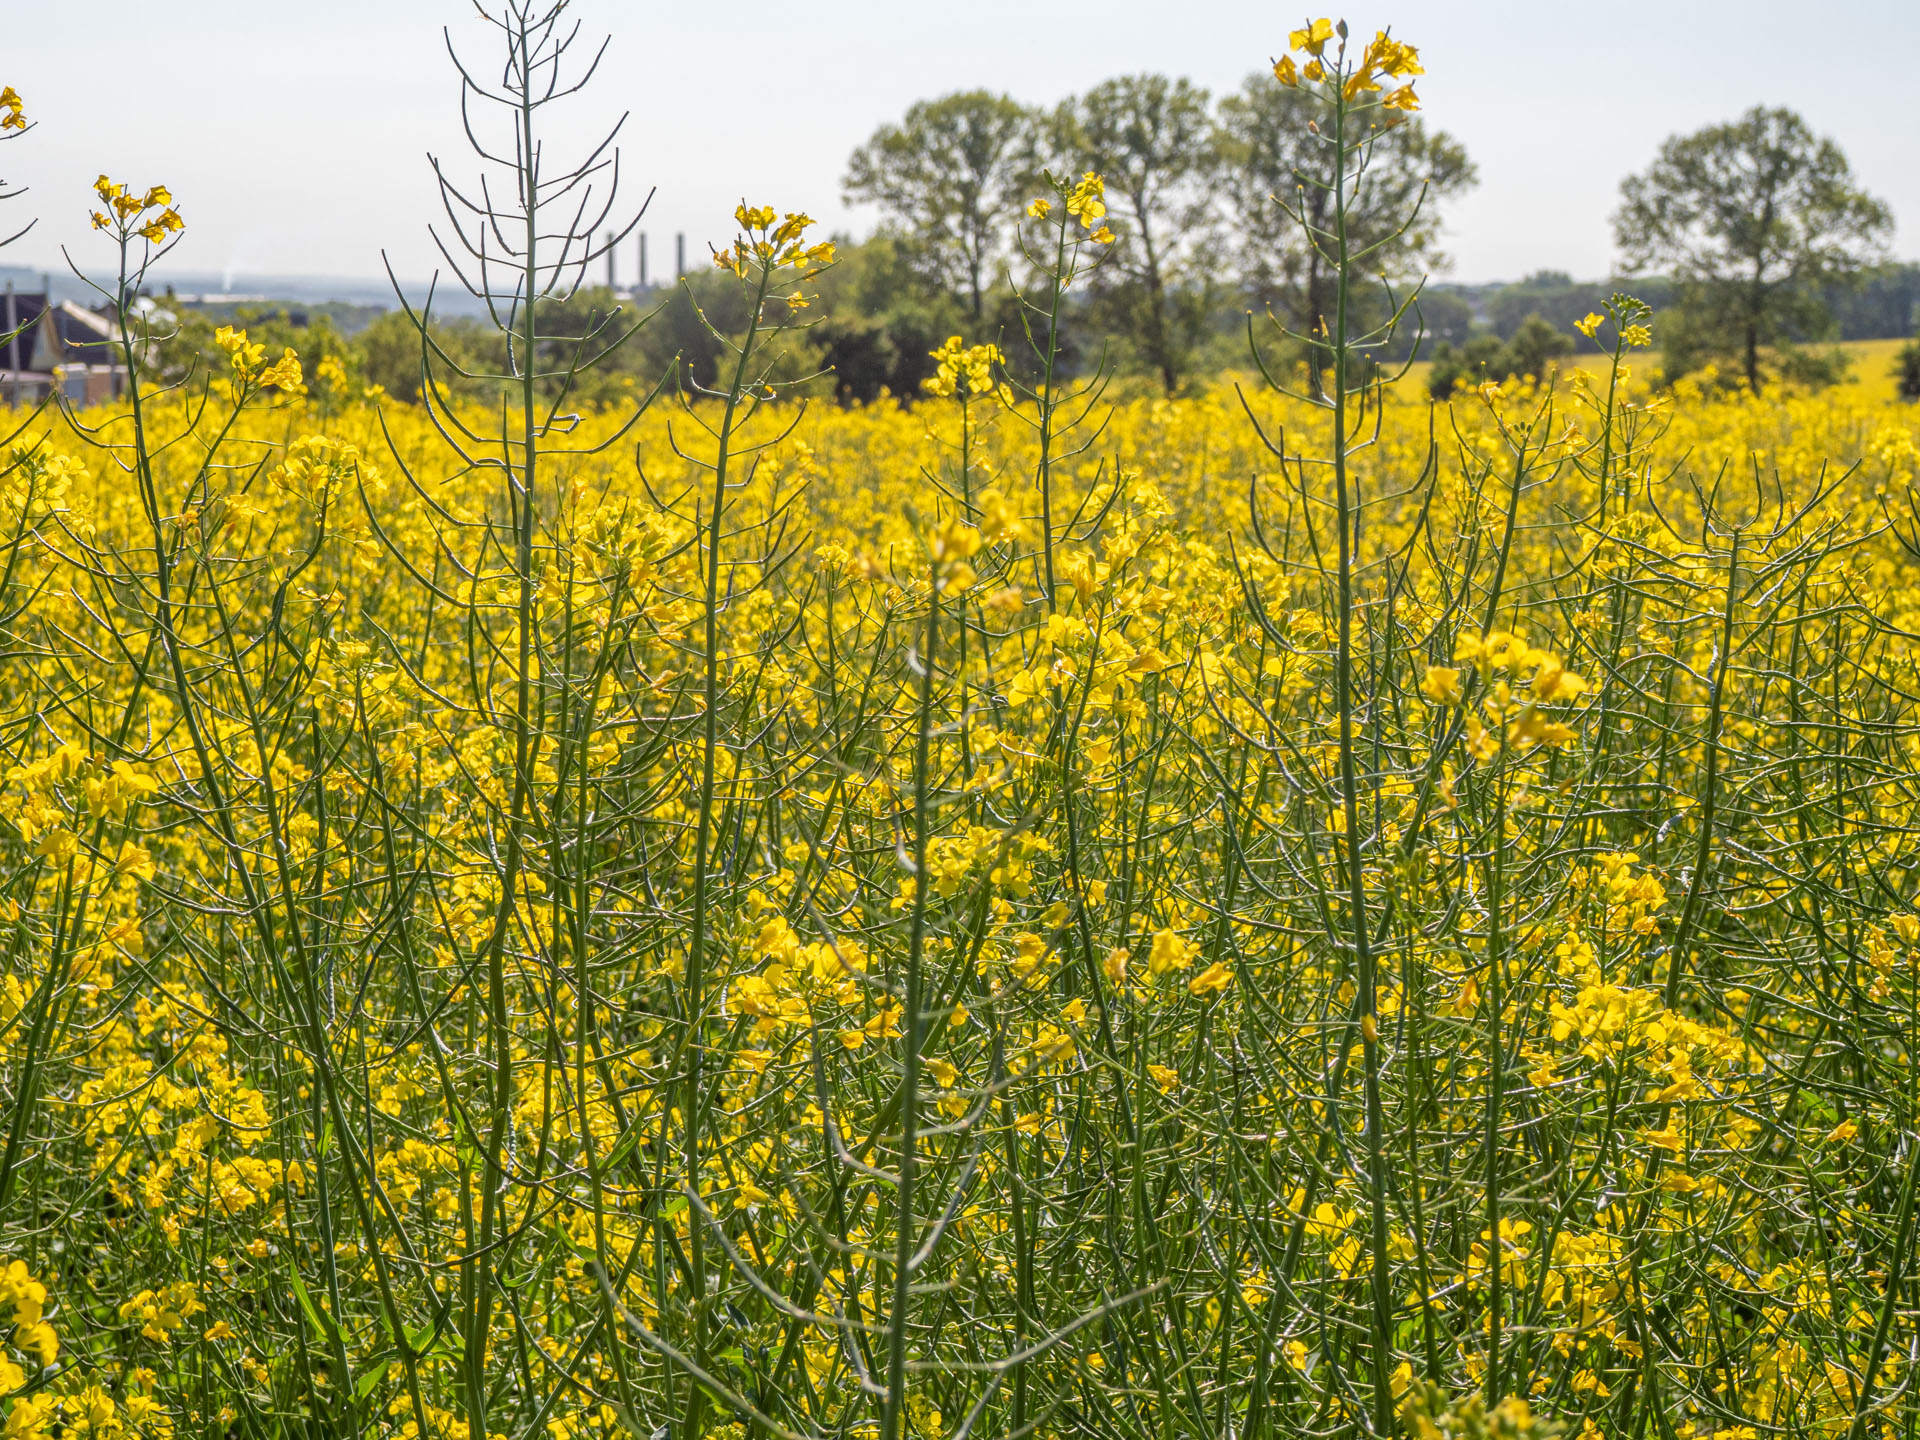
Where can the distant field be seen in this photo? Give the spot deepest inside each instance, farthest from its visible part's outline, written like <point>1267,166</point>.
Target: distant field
<point>1871,361</point>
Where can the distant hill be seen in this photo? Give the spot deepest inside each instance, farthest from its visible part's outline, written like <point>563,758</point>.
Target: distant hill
<point>353,303</point>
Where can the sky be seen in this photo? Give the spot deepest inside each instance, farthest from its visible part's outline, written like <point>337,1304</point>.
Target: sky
<point>295,137</point>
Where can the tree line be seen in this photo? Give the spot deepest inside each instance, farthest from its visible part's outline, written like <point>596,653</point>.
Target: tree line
<point>1753,239</point>
<point>1194,186</point>
<point>1756,233</point>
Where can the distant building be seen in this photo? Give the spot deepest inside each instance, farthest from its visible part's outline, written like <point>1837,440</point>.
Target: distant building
<point>48,346</point>
<point>20,318</point>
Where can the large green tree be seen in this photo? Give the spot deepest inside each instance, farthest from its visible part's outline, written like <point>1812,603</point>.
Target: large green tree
<point>1274,156</point>
<point>948,180</point>
<point>1752,217</point>
<point>1154,141</point>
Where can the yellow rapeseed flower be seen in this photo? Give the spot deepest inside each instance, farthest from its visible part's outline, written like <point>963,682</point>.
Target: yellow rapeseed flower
<point>1313,39</point>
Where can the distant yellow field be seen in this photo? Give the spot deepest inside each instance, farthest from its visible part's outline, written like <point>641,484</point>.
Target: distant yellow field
<point>1870,376</point>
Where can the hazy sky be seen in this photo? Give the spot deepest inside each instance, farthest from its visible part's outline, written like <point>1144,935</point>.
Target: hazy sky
<point>295,136</point>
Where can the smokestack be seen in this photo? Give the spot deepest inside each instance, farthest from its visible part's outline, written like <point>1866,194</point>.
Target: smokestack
<point>643,259</point>
<point>612,280</point>
<point>679,254</point>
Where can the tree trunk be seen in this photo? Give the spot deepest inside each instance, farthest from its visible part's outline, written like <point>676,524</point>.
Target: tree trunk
<point>1757,300</point>
<point>1159,348</point>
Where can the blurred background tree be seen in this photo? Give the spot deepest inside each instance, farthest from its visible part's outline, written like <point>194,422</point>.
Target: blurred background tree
<point>881,321</point>
<point>949,181</point>
<point>1906,371</point>
<point>1268,151</point>
<point>1754,218</point>
<point>1529,353</point>
<point>1155,142</point>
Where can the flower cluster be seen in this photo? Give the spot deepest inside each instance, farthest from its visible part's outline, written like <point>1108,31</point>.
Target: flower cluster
<point>1085,200</point>
<point>23,1302</point>
<point>250,368</point>
<point>963,370</point>
<point>1504,660</point>
<point>773,242</point>
<point>317,468</point>
<point>1087,203</point>
<point>1629,317</point>
<point>128,214</point>
<point>1384,58</point>
<point>160,1312</point>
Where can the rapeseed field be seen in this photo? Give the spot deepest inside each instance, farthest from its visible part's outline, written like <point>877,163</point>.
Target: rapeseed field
<point>1291,910</point>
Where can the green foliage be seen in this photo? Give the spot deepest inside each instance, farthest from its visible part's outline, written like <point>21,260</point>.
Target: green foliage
<point>195,353</point>
<point>881,319</point>
<point>1154,141</point>
<point>873,323</point>
<point>1268,155</point>
<point>1693,342</point>
<point>1906,371</point>
<point>1530,353</point>
<point>1881,302</point>
<point>1198,235</point>
<point>1557,298</point>
<point>1444,318</point>
<point>1813,368</point>
<point>1753,217</point>
<point>949,180</point>
<point>389,351</point>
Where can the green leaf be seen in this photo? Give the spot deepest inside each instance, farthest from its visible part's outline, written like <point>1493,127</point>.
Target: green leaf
<point>371,1377</point>
<point>323,1324</point>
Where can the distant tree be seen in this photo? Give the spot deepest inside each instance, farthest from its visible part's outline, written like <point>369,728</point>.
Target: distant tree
<point>1550,293</point>
<point>193,349</point>
<point>469,360</point>
<point>1155,143</point>
<point>1880,303</point>
<point>388,355</point>
<point>1753,217</point>
<point>1271,155</point>
<point>1444,317</point>
<point>1535,346</point>
<point>878,327</point>
<point>1906,371</point>
<point>1529,355</point>
<point>949,182</point>
<point>679,337</point>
